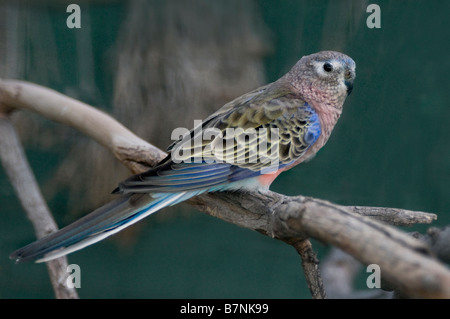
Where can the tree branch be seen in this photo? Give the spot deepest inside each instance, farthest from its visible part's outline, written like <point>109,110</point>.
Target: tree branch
<point>131,150</point>
<point>310,265</point>
<point>19,172</point>
<point>405,262</point>
<point>394,216</point>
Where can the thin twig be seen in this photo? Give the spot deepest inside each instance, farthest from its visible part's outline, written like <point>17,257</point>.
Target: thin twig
<point>394,216</point>
<point>310,265</point>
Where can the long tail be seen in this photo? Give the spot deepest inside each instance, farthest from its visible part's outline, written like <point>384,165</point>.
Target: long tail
<point>101,223</point>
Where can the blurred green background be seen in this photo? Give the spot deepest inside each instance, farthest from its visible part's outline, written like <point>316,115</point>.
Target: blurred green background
<point>390,147</point>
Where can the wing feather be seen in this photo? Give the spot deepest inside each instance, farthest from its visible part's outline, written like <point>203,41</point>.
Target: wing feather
<point>266,127</point>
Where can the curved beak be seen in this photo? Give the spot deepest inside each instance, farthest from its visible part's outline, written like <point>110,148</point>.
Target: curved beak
<point>349,78</point>
<point>349,85</point>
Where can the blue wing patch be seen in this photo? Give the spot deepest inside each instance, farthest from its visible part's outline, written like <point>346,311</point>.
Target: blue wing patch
<point>314,129</point>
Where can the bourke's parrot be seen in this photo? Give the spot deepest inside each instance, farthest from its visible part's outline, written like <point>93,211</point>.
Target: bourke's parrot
<point>256,137</point>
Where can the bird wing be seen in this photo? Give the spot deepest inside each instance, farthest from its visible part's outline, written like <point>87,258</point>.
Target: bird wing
<point>268,128</point>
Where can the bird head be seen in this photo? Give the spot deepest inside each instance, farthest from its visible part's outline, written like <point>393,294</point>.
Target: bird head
<point>323,77</point>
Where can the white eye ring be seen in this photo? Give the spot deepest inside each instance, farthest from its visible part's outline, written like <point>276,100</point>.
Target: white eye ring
<point>325,69</point>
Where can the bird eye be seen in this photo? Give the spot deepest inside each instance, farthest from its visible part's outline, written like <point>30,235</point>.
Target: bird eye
<point>328,67</point>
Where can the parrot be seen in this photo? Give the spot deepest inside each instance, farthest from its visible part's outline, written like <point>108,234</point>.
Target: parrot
<point>289,121</point>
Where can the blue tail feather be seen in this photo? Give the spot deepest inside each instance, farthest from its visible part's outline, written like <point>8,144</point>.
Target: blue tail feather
<point>101,223</point>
